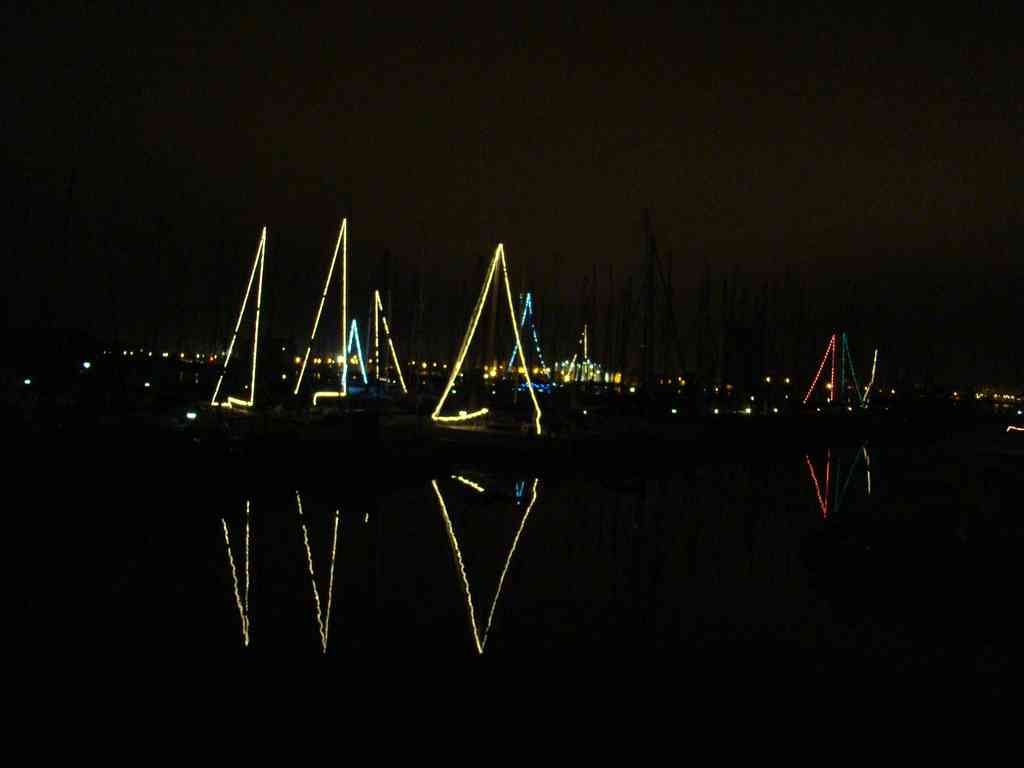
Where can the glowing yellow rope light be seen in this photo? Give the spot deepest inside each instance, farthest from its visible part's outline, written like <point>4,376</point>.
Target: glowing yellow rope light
<point>460,565</point>
<point>326,394</point>
<point>256,334</point>
<point>508,560</point>
<point>344,306</point>
<point>470,483</point>
<point>323,298</point>
<point>474,319</point>
<point>376,332</point>
<point>1012,428</point>
<point>323,625</point>
<point>242,604</point>
<point>391,345</point>
<point>257,262</point>
<point>463,416</point>
<point>874,363</point>
<point>499,257</point>
<point>867,463</point>
<point>519,343</point>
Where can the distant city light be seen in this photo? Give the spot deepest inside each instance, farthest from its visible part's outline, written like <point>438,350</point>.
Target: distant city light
<point>747,410</point>
<point>191,415</point>
<point>284,376</point>
<point>28,382</point>
<point>775,410</point>
<point>87,365</point>
<point>632,390</point>
<point>787,379</point>
<point>716,411</point>
<point>165,354</point>
<point>146,385</point>
<point>675,411</point>
<point>584,411</point>
<point>767,379</point>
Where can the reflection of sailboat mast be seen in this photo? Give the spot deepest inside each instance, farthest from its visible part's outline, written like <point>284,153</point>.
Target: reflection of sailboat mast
<point>241,601</point>
<point>323,624</point>
<point>867,464</point>
<point>457,554</point>
<point>826,503</point>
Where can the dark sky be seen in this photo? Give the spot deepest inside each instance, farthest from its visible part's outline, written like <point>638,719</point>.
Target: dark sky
<point>867,149</point>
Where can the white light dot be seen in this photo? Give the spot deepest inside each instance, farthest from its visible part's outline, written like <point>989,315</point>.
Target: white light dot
<point>87,365</point>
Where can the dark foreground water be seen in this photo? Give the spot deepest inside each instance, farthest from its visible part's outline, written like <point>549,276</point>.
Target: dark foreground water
<point>844,559</point>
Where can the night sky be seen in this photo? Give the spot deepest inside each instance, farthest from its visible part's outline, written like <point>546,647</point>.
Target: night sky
<point>876,155</point>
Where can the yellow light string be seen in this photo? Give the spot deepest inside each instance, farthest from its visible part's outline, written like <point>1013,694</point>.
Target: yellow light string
<point>499,257</point>
<point>460,565</point>
<point>376,332</point>
<point>504,570</point>
<point>867,390</point>
<point>474,319</point>
<point>317,396</point>
<point>242,604</point>
<point>344,306</point>
<point>1012,428</point>
<point>867,463</point>
<point>519,343</point>
<point>245,299</point>
<point>463,415</point>
<point>256,334</point>
<point>320,309</point>
<point>391,345</point>
<point>322,626</point>
<point>470,483</point>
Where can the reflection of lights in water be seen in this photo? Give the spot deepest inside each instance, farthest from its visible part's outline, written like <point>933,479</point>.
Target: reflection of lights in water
<point>323,623</point>
<point>470,483</point>
<point>479,642</point>
<point>241,600</point>
<point>867,464</point>
<point>817,487</point>
<point>826,502</point>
